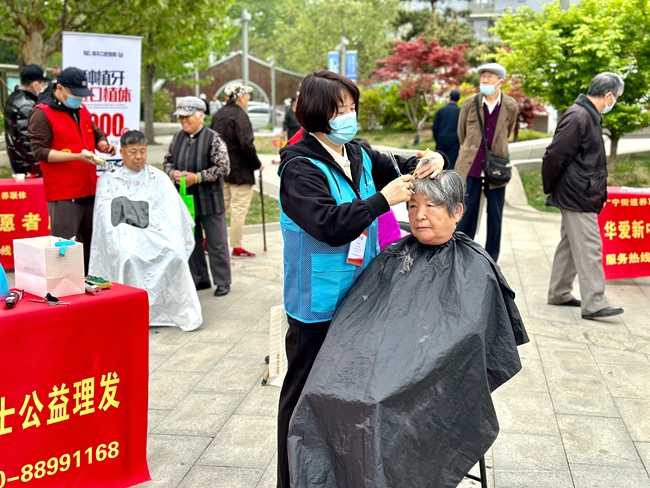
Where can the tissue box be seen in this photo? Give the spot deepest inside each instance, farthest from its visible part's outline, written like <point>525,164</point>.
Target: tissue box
<point>40,269</point>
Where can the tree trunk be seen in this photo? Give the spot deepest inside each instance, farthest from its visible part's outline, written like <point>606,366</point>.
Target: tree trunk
<point>32,49</point>
<point>149,71</point>
<point>611,166</point>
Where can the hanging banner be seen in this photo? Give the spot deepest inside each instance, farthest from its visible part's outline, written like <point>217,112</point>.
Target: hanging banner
<point>112,65</point>
<point>351,65</point>
<point>333,58</point>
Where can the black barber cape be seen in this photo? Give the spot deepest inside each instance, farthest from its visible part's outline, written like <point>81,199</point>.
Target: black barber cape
<point>399,395</point>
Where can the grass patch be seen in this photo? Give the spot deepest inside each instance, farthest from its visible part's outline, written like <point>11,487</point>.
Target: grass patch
<point>632,171</point>
<point>254,215</point>
<point>5,172</point>
<point>530,135</point>
<point>534,191</point>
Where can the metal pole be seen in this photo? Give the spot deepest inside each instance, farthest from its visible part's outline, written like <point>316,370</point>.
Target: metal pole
<point>272,115</point>
<point>263,218</point>
<point>245,18</point>
<point>344,42</point>
<point>196,78</point>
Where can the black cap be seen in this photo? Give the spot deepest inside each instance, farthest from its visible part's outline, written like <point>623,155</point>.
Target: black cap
<point>33,72</point>
<point>75,80</point>
<point>454,95</point>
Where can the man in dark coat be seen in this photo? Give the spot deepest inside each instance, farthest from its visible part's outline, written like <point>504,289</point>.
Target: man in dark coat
<point>232,123</point>
<point>444,128</point>
<point>17,108</point>
<point>574,173</point>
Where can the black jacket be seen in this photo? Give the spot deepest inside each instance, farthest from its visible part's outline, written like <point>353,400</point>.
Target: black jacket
<point>306,198</point>
<point>234,126</point>
<point>290,124</point>
<point>574,167</point>
<point>445,124</point>
<point>17,108</point>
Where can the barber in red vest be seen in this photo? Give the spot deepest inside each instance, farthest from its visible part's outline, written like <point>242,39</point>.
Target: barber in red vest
<point>59,129</point>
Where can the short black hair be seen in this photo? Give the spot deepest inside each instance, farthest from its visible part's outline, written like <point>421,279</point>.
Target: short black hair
<point>132,137</point>
<point>321,93</point>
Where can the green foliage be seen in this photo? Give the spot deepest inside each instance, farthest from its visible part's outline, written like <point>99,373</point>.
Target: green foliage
<point>532,182</point>
<point>531,135</point>
<point>8,53</point>
<point>163,105</point>
<point>380,106</point>
<point>306,31</point>
<point>556,53</point>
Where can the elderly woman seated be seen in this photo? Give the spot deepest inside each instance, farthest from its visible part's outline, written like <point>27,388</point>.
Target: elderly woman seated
<point>399,395</point>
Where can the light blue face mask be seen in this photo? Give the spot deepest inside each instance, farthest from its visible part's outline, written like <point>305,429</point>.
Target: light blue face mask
<point>487,90</point>
<point>344,128</point>
<point>73,102</point>
<point>609,108</point>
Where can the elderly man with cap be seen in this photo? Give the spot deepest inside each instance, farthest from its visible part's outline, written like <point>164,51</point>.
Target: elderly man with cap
<point>17,109</point>
<point>60,130</point>
<point>198,154</point>
<point>444,128</point>
<point>498,116</point>
<point>232,123</point>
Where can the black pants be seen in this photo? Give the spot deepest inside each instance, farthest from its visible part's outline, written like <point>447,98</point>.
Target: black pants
<point>216,236</point>
<point>303,342</point>
<point>70,219</point>
<point>495,202</point>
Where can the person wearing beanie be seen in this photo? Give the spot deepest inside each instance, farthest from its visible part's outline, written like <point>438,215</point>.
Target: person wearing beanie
<point>232,123</point>
<point>444,128</point>
<point>64,138</point>
<point>498,115</point>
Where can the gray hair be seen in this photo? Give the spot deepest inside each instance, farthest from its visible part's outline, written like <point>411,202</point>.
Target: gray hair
<point>606,82</point>
<point>446,190</point>
<point>132,137</point>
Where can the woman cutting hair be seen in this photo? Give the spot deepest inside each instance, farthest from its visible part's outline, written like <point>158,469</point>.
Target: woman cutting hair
<point>331,193</point>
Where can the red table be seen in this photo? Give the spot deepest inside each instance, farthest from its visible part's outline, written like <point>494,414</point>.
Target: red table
<point>625,231</point>
<point>74,391</point>
<point>23,213</point>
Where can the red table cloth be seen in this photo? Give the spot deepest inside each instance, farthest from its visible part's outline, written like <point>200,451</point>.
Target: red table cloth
<point>74,390</point>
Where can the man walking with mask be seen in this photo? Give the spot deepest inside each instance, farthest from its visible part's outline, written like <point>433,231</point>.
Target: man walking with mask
<point>17,109</point>
<point>60,129</point>
<point>498,114</point>
<point>574,172</point>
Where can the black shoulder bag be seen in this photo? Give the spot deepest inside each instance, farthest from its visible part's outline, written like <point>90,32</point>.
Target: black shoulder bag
<point>497,170</point>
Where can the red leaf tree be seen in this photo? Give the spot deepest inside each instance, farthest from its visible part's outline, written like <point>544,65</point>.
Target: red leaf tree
<point>426,71</point>
<point>529,108</point>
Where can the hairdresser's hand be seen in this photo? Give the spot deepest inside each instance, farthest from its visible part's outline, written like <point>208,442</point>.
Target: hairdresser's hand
<point>399,190</point>
<point>431,164</point>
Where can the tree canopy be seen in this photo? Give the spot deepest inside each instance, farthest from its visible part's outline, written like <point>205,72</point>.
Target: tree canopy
<point>556,53</point>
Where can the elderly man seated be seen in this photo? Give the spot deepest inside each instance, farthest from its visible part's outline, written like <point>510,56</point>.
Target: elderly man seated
<point>143,237</point>
<point>400,393</point>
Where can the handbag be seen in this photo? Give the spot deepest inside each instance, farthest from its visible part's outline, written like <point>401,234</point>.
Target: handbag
<point>497,169</point>
<point>188,200</point>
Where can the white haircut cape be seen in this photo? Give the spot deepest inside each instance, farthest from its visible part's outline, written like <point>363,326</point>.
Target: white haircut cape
<point>154,258</point>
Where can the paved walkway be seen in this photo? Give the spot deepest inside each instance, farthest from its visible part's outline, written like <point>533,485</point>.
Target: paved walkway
<point>577,415</point>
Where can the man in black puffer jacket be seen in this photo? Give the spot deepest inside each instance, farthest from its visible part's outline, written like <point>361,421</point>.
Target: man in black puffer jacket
<point>17,108</point>
<point>574,172</point>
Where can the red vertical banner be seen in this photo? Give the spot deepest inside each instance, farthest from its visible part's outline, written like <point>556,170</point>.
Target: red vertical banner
<point>23,213</point>
<point>625,232</point>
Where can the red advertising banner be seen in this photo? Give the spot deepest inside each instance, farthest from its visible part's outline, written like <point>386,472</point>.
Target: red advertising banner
<point>625,231</point>
<point>74,391</point>
<point>23,213</point>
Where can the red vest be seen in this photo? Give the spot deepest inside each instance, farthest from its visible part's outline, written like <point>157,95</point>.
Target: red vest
<point>71,179</point>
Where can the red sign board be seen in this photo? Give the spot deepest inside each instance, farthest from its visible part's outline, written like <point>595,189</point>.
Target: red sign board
<point>73,391</point>
<point>23,213</point>
<point>625,231</point>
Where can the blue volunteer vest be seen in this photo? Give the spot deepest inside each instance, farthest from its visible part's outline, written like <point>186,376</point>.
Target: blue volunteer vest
<point>317,276</point>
